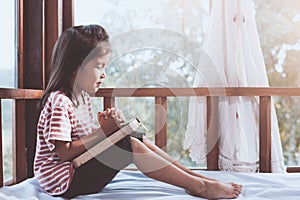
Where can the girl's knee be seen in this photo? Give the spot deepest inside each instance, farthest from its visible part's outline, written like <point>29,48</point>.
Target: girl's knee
<point>137,145</point>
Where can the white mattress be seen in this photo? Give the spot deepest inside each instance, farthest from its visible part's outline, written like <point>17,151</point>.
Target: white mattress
<point>134,185</point>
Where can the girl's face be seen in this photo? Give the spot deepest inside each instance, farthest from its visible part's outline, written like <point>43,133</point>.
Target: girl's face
<point>91,76</point>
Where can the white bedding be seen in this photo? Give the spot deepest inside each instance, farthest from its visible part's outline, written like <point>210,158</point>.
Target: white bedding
<point>134,185</point>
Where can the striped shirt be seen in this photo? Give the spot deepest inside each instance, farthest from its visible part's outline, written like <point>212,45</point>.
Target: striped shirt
<point>59,120</point>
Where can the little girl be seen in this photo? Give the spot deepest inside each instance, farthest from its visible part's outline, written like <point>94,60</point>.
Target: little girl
<point>66,128</point>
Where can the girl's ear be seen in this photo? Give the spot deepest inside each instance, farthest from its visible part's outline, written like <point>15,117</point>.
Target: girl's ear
<point>76,71</point>
<point>73,76</point>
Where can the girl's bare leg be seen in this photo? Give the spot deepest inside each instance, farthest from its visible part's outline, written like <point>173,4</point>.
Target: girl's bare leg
<point>166,156</point>
<point>158,168</point>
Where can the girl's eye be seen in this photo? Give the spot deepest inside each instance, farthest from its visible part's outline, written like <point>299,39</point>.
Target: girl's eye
<point>100,66</point>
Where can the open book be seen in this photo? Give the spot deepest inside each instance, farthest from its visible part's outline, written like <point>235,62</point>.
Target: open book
<point>125,130</point>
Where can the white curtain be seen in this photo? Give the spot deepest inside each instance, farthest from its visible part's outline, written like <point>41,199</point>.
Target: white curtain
<point>232,58</point>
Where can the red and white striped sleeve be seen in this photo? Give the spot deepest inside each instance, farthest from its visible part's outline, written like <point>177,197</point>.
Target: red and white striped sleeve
<point>58,122</point>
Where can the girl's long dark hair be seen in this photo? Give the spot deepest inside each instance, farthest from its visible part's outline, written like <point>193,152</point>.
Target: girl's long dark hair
<point>72,48</point>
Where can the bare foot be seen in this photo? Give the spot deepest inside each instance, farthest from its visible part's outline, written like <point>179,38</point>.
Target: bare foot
<point>216,190</point>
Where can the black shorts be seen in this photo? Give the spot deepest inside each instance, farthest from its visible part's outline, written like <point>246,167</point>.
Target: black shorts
<point>94,175</point>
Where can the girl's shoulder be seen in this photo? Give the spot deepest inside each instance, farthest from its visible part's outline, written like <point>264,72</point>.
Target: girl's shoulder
<point>59,99</point>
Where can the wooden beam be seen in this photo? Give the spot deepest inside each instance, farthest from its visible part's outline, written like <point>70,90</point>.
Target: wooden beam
<point>212,134</point>
<point>19,149</point>
<point>32,44</point>
<point>149,92</point>
<point>265,134</point>
<point>68,14</point>
<point>293,169</point>
<point>215,92</point>
<point>6,93</point>
<point>32,116</point>
<point>161,120</point>
<point>33,68</point>
<point>21,52</point>
<point>53,28</point>
<point>109,102</point>
<point>1,152</point>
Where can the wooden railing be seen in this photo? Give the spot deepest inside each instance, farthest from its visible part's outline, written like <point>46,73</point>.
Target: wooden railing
<point>161,95</point>
<point>18,131</point>
<point>212,95</point>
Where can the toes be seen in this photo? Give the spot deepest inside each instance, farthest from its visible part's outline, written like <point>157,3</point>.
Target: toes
<point>235,195</point>
<point>235,185</point>
<point>238,189</point>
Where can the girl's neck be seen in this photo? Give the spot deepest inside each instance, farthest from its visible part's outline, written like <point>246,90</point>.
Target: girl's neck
<point>78,96</point>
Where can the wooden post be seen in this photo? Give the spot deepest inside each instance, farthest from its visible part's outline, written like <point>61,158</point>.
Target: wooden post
<point>19,149</point>
<point>212,134</point>
<point>21,44</point>
<point>31,64</point>
<point>265,134</point>
<point>1,153</point>
<point>53,28</point>
<point>109,102</point>
<point>68,14</point>
<point>161,119</point>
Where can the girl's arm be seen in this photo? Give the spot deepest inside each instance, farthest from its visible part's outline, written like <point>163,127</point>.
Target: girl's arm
<point>67,151</point>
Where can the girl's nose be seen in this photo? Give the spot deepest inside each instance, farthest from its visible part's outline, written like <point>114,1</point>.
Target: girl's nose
<point>103,75</point>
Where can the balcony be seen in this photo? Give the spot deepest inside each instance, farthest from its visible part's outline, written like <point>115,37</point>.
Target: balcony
<point>22,163</point>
